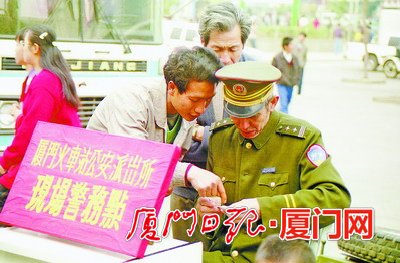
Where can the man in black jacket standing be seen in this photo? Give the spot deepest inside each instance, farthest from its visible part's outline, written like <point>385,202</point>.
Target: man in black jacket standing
<point>289,65</point>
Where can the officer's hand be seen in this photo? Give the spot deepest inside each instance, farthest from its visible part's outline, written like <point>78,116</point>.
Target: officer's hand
<point>2,171</point>
<point>205,205</point>
<point>206,183</point>
<point>250,203</point>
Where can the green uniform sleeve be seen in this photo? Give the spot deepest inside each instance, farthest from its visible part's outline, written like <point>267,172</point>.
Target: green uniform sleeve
<point>216,257</point>
<point>320,186</point>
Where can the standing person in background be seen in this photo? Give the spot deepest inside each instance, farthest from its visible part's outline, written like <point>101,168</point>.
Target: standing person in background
<point>51,97</point>
<point>224,28</point>
<point>338,36</point>
<point>300,51</point>
<point>289,65</point>
<point>316,23</point>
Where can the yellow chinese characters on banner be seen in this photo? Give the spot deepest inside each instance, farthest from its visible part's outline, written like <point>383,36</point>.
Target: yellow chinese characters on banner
<point>84,185</point>
<point>126,169</point>
<point>94,205</point>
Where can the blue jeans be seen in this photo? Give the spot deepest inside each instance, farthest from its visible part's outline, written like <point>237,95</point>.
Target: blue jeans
<point>285,96</point>
<point>300,80</point>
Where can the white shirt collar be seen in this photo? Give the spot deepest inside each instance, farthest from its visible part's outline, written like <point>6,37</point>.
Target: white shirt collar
<point>288,56</point>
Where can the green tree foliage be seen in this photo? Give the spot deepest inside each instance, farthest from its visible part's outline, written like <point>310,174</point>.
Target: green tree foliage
<point>339,7</point>
<point>169,6</point>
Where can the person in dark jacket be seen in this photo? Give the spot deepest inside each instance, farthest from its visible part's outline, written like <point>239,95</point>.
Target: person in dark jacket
<point>289,65</point>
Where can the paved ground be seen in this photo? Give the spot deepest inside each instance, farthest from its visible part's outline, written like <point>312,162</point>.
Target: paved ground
<point>360,123</point>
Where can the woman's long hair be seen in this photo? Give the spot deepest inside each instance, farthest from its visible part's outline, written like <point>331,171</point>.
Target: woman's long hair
<point>52,59</point>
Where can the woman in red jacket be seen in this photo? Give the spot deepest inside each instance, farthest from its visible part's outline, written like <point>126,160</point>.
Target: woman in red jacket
<point>50,96</point>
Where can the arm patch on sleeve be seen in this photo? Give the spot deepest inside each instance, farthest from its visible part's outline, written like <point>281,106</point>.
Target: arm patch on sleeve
<point>316,154</point>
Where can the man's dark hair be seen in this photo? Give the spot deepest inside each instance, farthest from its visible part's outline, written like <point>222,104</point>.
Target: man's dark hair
<point>197,64</point>
<point>303,33</point>
<point>273,249</point>
<point>286,41</point>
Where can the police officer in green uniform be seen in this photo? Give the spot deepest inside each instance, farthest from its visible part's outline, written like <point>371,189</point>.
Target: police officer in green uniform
<point>267,161</point>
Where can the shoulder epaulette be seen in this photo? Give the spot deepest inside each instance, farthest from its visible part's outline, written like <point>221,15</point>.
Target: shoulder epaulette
<point>292,130</point>
<point>221,124</point>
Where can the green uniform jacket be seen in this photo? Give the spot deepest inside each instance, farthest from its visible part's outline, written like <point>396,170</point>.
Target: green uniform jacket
<point>277,168</point>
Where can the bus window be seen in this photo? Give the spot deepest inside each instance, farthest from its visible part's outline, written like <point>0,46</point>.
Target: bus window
<point>86,20</point>
<point>176,33</point>
<point>61,16</point>
<point>191,35</point>
<point>129,20</point>
<point>107,44</point>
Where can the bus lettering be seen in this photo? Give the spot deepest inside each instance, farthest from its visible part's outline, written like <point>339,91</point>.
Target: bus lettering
<point>118,66</point>
<point>90,65</point>
<point>131,66</point>
<point>77,66</point>
<point>104,66</point>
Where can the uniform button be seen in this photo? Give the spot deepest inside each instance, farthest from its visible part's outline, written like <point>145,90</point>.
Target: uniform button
<point>248,145</point>
<point>272,184</point>
<point>234,253</point>
<point>223,179</point>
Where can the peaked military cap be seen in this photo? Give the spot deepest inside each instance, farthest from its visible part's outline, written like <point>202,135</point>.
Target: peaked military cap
<point>247,86</point>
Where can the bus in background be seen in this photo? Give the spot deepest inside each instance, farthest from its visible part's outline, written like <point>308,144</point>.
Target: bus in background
<point>108,44</point>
